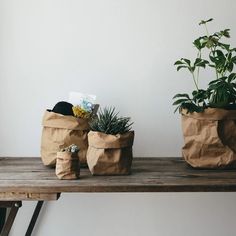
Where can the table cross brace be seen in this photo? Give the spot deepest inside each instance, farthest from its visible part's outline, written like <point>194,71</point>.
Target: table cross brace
<point>14,207</point>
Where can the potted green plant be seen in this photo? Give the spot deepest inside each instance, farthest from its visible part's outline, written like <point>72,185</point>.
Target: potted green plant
<point>110,144</point>
<point>209,115</point>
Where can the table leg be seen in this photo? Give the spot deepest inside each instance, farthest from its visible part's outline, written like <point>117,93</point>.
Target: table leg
<point>11,217</point>
<point>3,211</point>
<point>34,218</point>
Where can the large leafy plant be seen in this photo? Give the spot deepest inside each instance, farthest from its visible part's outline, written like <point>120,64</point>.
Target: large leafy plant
<point>221,58</point>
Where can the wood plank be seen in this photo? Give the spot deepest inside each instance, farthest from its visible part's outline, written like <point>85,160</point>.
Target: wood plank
<point>29,175</point>
<point>13,196</point>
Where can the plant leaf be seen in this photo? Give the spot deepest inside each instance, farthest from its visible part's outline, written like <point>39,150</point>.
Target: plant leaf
<point>179,101</point>
<point>180,67</point>
<point>178,63</point>
<point>181,95</point>
<point>205,21</point>
<point>187,61</point>
<point>231,77</point>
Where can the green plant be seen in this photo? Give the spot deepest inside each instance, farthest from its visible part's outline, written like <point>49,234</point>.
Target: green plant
<point>109,122</point>
<point>221,91</point>
<point>72,148</point>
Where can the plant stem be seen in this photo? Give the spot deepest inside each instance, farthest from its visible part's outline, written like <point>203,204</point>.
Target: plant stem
<point>206,30</point>
<point>212,52</point>
<point>217,76</point>
<point>199,55</point>
<point>194,80</point>
<point>227,59</point>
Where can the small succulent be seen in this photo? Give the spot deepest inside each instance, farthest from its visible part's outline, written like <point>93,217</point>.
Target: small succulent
<point>109,122</point>
<point>72,148</point>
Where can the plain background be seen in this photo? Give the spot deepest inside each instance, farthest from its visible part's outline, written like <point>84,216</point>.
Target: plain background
<point>123,51</point>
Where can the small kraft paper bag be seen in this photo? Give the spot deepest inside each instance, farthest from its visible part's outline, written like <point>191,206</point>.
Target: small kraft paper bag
<point>60,131</point>
<point>67,165</point>
<point>110,154</point>
<point>210,138</point>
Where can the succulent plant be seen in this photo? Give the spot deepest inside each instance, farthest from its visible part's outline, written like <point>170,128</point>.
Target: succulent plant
<point>72,148</point>
<point>109,122</point>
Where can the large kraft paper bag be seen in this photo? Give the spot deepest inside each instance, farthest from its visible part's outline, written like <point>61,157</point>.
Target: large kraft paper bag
<point>61,131</point>
<point>210,138</point>
<point>110,154</point>
<point>67,165</point>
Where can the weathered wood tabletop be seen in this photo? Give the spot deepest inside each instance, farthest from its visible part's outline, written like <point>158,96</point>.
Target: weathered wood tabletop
<point>27,179</point>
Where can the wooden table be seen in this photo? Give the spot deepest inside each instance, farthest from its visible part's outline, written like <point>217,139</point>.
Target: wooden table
<point>27,179</point>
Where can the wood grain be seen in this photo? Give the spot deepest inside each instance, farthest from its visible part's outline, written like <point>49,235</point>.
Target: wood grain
<point>16,196</point>
<point>29,176</point>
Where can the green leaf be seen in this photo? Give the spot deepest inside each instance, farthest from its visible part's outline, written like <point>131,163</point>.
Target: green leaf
<point>225,33</point>
<point>197,44</point>
<point>213,81</point>
<point>229,56</point>
<point>224,46</point>
<point>191,107</point>
<point>180,67</point>
<point>201,62</point>
<point>178,63</point>
<point>223,78</point>
<point>181,95</point>
<point>233,59</point>
<point>213,59</point>
<point>211,65</point>
<point>211,41</point>
<point>191,69</point>
<point>198,60</point>
<point>177,108</point>
<point>231,77</point>
<point>230,67</point>
<point>200,42</point>
<point>179,101</point>
<point>220,54</point>
<point>186,60</point>
<point>200,95</point>
<point>205,21</point>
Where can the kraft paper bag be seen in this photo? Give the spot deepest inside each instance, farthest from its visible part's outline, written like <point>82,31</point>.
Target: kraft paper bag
<point>110,154</point>
<point>67,165</point>
<point>60,131</point>
<point>210,138</point>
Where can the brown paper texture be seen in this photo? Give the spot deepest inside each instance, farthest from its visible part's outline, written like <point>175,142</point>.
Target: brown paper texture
<point>61,131</point>
<point>110,154</point>
<point>209,138</point>
<point>67,165</point>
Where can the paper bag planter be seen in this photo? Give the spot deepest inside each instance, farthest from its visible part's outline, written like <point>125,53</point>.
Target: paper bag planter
<point>110,154</point>
<point>60,131</point>
<point>209,112</point>
<point>110,144</point>
<point>67,164</point>
<point>210,138</point>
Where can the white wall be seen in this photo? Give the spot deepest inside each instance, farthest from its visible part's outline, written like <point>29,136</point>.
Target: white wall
<point>123,51</point>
